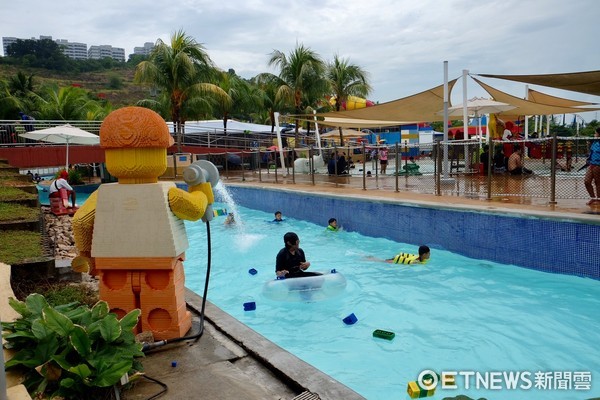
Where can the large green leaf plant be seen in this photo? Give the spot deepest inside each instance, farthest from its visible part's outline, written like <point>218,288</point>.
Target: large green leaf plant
<point>70,350</point>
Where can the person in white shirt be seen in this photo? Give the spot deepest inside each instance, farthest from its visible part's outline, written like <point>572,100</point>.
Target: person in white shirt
<point>61,183</point>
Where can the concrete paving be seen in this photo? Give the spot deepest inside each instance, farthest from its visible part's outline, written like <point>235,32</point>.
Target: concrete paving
<point>231,361</point>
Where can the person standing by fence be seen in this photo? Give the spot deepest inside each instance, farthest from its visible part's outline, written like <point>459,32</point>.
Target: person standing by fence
<point>592,175</point>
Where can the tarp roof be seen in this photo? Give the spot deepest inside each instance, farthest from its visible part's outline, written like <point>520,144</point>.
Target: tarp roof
<point>233,126</point>
<point>539,97</point>
<point>348,133</point>
<point>526,107</point>
<point>423,106</point>
<point>582,82</point>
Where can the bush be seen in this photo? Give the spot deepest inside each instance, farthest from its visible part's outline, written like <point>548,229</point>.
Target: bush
<point>75,177</point>
<point>70,350</point>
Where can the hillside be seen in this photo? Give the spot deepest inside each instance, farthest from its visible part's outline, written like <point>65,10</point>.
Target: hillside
<point>97,83</point>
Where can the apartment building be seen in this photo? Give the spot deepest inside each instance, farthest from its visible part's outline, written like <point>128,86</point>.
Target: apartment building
<point>74,50</point>
<point>145,50</point>
<point>106,50</point>
<point>80,51</point>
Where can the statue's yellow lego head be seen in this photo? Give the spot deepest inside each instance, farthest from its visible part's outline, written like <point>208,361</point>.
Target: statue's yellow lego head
<point>135,140</point>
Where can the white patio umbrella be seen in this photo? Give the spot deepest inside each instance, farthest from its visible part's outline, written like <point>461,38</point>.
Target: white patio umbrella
<point>63,134</point>
<point>478,106</point>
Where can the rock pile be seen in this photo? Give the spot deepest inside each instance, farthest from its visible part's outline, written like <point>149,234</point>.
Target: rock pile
<point>59,232</point>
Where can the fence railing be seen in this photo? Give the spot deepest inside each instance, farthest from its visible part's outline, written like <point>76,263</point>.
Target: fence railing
<point>456,167</point>
<point>555,174</point>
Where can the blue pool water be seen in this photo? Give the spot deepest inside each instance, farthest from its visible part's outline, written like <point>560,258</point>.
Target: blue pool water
<point>82,193</point>
<point>453,313</point>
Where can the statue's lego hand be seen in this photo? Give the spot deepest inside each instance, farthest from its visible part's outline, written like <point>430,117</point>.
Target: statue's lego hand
<point>206,189</point>
<point>82,263</point>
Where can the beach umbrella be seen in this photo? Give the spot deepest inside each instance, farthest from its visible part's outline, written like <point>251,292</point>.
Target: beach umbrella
<point>63,134</point>
<point>479,106</point>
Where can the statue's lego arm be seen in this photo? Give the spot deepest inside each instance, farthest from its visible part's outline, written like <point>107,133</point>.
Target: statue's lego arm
<point>192,205</point>
<point>201,176</point>
<point>83,229</point>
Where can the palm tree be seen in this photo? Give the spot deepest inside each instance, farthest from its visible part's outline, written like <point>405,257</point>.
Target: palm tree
<point>299,73</point>
<point>21,85</point>
<point>64,103</point>
<point>184,73</point>
<point>268,85</point>
<point>346,80</point>
<point>9,103</point>
<point>241,97</point>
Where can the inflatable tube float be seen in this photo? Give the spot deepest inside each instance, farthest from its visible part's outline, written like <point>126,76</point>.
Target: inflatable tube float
<point>310,288</point>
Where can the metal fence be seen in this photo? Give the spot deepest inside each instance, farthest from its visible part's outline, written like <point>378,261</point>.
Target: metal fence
<point>557,168</point>
<point>453,168</point>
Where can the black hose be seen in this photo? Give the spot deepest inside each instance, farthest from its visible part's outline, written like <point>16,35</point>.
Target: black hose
<point>196,336</point>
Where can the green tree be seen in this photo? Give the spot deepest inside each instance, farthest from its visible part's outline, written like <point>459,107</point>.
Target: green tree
<point>21,85</point>
<point>115,81</point>
<point>346,80</point>
<point>184,73</point>
<point>10,105</point>
<point>64,103</point>
<point>268,85</point>
<point>300,72</point>
<point>44,53</point>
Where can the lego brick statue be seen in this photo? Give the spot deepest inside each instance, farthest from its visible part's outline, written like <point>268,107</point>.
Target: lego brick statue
<point>131,234</point>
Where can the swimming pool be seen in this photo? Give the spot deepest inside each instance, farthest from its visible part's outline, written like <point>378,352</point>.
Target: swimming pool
<point>454,313</point>
<point>82,193</point>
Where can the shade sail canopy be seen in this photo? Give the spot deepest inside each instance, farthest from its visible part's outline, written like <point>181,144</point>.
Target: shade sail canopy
<point>348,133</point>
<point>479,106</point>
<point>63,134</point>
<point>539,97</point>
<point>526,107</point>
<point>233,126</point>
<point>582,82</point>
<point>354,122</point>
<point>419,107</point>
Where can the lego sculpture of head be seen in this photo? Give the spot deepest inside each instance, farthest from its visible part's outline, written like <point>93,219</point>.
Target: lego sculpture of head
<point>135,140</point>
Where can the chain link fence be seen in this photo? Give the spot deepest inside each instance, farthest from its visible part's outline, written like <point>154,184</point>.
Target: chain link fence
<point>551,167</point>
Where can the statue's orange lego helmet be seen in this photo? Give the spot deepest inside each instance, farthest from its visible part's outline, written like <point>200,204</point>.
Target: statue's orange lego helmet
<point>134,127</point>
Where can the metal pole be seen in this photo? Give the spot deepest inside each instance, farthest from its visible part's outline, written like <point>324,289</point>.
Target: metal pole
<point>446,166</point>
<point>465,111</point>
<point>280,145</point>
<point>397,164</point>
<point>174,165</point>
<point>260,167</point>
<point>317,133</point>
<point>438,169</point>
<point>242,157</point>
<point>293,154</point>
<point>489,170</point>
<point>311,164</point>
<point>364,151</point>
<point>553,171</point>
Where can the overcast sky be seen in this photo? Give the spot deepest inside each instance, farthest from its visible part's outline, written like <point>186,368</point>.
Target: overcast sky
<point>401,43</point>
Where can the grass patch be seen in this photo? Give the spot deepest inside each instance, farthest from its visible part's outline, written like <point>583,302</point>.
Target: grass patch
<point>57,293</point>
<point>20,246</point>
<point>12,194</point>
<point>18,212</point>
<point>10,181</point>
